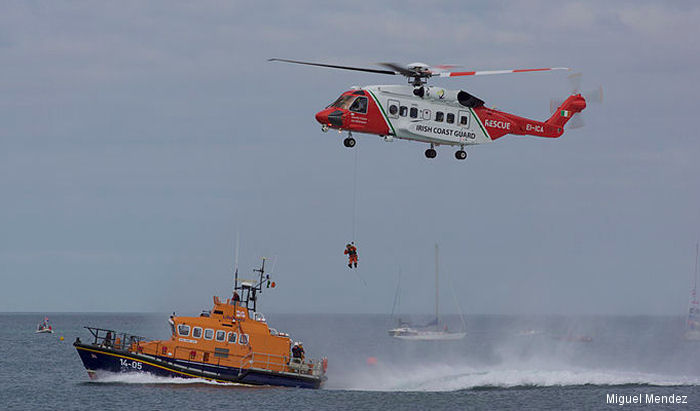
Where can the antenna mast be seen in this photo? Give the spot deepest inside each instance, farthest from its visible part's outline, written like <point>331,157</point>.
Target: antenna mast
<point>235,264</point>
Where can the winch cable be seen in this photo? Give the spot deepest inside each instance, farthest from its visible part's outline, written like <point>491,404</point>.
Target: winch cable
<point>354,199</point>
<point>354,211</point>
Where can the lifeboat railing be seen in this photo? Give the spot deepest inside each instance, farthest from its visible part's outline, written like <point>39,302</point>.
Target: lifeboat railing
<point>115,340</point>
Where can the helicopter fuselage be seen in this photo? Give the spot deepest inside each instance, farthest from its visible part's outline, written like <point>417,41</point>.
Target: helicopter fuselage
<point>434,115</point>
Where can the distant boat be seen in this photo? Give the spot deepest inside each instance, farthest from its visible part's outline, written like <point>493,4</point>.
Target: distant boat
<point>692,324</point>
<point>44,327</point>
<point>434,330</point>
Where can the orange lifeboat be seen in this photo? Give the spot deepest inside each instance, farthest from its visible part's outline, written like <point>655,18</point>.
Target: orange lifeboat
<point>230,343</point>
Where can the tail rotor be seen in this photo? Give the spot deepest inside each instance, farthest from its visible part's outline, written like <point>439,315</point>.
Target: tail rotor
<point>591,96</point>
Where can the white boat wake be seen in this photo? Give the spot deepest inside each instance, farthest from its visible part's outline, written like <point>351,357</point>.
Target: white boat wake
<point>448,378</point>
<point>146,378</point>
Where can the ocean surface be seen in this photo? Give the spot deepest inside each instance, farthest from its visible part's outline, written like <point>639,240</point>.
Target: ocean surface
<point>505,362</point>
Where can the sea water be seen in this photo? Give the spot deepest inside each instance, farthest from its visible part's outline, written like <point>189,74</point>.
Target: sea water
<point>505,362</point>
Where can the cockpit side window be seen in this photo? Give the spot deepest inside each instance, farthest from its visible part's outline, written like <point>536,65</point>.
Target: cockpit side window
<point>343,102</point>
<point>359,105</point>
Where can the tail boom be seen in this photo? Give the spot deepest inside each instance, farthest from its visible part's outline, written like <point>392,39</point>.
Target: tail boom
<point>499,123</point>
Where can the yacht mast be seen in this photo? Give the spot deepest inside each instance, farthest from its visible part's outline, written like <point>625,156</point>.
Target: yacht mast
<point>437,286</point>
<point>695,284</point>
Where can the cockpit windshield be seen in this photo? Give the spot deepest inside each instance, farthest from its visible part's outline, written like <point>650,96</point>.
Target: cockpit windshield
<point>343,102</point>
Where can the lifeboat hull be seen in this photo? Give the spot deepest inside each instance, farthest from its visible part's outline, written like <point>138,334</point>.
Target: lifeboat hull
<point>103,359</point>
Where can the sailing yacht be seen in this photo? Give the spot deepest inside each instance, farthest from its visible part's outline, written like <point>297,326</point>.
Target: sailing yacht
<point>692,324</point>
<point>434,330</point>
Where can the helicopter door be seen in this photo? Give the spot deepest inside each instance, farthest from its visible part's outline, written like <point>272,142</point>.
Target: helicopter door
<point>463,118</point>
<point>393,108</point>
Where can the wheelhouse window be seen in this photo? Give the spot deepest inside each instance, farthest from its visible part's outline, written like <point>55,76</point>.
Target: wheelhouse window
<point>183,330</point>
<point>403,111</point>
<point>393,109</point>
<point>359,105</point>
<point>450,118</point>
<point>243,340</point>
<point>439,116</point>
<point>208,334</point>
<point>221,335</point>
<point>197,332</point>
<point>231,337</point>
<point>414,112</point>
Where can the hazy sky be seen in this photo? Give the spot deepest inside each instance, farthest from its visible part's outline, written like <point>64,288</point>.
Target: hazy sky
<point>137,138</point>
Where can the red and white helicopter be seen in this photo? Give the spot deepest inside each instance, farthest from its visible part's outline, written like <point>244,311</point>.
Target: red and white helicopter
<point>430,114</point>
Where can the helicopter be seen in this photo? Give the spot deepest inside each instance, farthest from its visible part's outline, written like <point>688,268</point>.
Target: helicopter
<point>432,115</point>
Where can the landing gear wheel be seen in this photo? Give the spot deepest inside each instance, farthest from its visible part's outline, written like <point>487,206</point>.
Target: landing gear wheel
<point>349,142</point>
<point>461,155</point>
<point>431,153</point>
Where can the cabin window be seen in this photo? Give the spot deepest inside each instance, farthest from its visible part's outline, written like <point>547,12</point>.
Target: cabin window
<point>464,120</point>
<point>414,112</point>
<point>183,330</point>
<point>221,335</point>
<point>197,332</point>
<point>243,340</point>
<point>439,116</point>
<point>393,108</point>
<point>450,118</point>
<point>208,334</point>
<point>359,105</point>
<point>426,114</point>
<point>231,337</point>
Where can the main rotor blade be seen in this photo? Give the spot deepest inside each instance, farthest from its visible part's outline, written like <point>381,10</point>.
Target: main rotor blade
<point>336,66</point>
<point>489,72</point>
<point>398,69</point>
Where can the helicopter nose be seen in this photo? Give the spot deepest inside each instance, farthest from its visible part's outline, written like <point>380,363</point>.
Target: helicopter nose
<point>332,117</point>
<point>322,117</point>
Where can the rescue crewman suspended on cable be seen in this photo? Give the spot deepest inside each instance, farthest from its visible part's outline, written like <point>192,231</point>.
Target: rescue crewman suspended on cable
<point>351,251</point>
